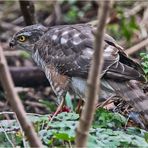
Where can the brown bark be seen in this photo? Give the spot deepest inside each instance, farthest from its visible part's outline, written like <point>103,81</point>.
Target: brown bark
<point>15,102</point>
<point>93,81</point>
<point>28,11</point>
<point>28,77</point>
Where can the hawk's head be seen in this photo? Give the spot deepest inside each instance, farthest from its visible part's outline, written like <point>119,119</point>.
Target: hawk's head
<point>26,37</point>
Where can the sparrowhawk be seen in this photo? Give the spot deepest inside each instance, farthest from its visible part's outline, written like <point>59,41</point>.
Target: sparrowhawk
<point>64,53</point>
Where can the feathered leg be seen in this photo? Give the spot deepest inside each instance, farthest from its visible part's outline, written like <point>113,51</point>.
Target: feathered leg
<point>79,106</point>
<point>58,109</point>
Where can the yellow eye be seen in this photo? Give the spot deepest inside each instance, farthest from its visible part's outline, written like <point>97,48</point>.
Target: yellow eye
<point>22,38</point>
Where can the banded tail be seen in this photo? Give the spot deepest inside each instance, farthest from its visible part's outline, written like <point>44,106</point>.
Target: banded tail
<point>129,91</point>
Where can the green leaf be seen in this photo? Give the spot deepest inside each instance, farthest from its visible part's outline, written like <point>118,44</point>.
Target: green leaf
<point>25,55</point>
<point>63,136</point>
<point>68,101</point>
<point>62,129</point>
<point>104,118</point>
<point>146,137</point>
<point>67,116</point>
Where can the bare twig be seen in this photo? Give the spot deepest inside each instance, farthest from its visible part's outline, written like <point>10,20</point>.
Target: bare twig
<point>133,11</point>
<point>58,14</point>
<point>93,79</point>
<point>12,53</point>
<point>137,47</point>
<point>28,11</point>
<point>107,101</point>
<point>2,104</point>
<point>13,113</point>
<point>23,134</point>
<point>7,26</point>
<point>34,104</point>
<point>15,102</point>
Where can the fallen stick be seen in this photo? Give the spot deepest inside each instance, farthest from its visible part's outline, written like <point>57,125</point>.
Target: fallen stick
<point>28,77</point>
<point>137,47</point>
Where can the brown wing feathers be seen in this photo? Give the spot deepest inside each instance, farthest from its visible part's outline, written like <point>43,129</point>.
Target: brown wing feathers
<point>71,49</point>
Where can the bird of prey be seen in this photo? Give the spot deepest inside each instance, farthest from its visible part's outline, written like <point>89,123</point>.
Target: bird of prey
<point>64,53</point>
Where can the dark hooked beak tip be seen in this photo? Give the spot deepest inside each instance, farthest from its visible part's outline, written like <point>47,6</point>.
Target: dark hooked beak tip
<point>11,44</point>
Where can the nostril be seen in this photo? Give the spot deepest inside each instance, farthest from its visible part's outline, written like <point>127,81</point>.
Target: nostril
<point>11,43</point>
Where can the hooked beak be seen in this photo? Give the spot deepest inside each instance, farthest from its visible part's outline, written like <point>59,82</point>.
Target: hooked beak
<point>12,43</point>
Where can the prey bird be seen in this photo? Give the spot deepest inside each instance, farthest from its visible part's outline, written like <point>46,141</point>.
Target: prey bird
<point>65,52</point>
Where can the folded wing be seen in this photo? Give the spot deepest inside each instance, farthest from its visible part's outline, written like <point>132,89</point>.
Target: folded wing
<point>70,48</point>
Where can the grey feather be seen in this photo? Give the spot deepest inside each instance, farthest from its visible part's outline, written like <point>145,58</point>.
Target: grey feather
<point>68,49</point>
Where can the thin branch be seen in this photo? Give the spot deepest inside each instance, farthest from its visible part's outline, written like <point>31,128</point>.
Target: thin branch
<point>15,102</point>
<point>7,26</point>
<point>137,47</point>
<point>28,11</point>
<point>93,79</point>
<point>13,113</point>
<point>133,11</point>
<point>13,53</point>
<point>58,14</point>
<point>23,134</point>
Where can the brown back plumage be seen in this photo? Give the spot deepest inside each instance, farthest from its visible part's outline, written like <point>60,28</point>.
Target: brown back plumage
<point>64,54</point>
